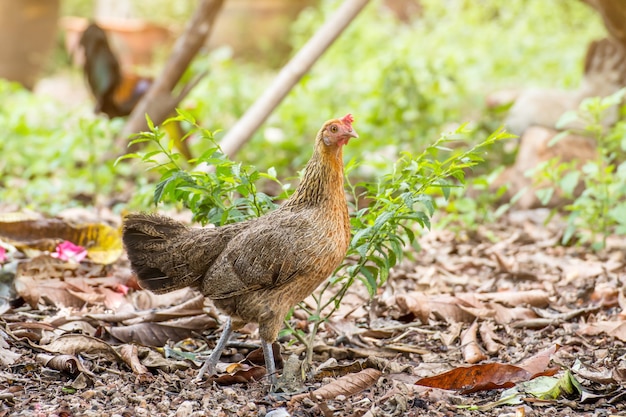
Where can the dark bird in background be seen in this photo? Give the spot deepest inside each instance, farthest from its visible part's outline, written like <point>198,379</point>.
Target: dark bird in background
<point>116,93</point>
<point>254,271</point>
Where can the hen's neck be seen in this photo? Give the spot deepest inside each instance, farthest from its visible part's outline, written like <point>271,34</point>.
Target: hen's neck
<point>322,182</point>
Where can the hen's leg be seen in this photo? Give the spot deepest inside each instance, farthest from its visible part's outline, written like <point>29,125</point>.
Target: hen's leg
<point>268,355</point>
<point>211,362</point>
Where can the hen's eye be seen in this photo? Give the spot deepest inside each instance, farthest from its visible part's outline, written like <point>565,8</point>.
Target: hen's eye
<point>333,129</point>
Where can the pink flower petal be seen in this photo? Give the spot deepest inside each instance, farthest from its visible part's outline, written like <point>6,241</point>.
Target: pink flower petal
<point>121,288</point>
<point>67,251</point>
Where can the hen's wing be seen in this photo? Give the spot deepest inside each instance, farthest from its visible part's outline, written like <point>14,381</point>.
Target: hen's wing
<point>269,253</point>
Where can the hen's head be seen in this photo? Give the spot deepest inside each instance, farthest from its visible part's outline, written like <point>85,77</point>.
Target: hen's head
<point>337,132</point>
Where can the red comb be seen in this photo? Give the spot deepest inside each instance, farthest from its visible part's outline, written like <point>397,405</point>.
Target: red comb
<point>347,119</point>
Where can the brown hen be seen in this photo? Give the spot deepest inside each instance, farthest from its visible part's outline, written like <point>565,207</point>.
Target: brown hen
<point>254,271</point>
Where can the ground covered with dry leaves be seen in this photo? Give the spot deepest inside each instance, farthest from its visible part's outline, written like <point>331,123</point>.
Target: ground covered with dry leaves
<point>80,339</point>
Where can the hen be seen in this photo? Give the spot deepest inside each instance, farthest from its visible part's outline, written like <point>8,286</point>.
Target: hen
<point>254,271</point>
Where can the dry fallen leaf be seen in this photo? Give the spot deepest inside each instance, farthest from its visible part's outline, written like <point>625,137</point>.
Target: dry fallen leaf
<point>69,364</point>
<point>616,329</point>
<point>74,344</point>
<point>103,242</point>
<point>129,354</point>
<point>535,298</point>
<point>477,378</point>
<point>492,375</point>
<point>335,370</point>
<point>347,385</point>
<point>8,357</point>
<point>538,363</point>
<point>469,343</point>
<point>256,356</point>
<point>255,373</point>
<point>157,334</point>
<point>489,337</point>
<point>506,315</point>
<point>443,306</point>
<point>44,279</point>
<point>147,300</point>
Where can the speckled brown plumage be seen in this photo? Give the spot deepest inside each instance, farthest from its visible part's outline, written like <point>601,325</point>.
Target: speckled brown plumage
<point>255,271</point>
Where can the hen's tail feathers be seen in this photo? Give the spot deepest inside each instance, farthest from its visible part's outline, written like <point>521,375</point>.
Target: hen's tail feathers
<point>155,246</point>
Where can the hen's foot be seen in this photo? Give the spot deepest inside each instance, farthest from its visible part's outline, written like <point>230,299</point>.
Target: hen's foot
<point>211,362</point>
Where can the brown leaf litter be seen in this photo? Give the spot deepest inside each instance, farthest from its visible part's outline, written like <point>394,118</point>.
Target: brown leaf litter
<point>83,339</point>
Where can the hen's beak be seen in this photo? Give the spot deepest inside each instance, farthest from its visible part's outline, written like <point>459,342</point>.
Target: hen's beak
<point>352,133</point>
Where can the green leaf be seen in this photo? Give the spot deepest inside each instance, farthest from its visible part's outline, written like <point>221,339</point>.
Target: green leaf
<point>569,182</point>
<point>370,279</point>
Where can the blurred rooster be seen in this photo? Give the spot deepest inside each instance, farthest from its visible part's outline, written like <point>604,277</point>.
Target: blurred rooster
<point>116,93</point>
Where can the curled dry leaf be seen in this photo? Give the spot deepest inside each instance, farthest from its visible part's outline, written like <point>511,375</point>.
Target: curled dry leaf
<point>469,342</point>
<point>388,366</point>
<point>256,356</point>
<point>537,364</point>
<point>506,315</point>
<point>253,374</point>
<point>335,370</point>
<point>74,344</point>
<point>155,360</point>
<point>191,308</point>
<point>599,375</point>
<point>147,300</point>
<point>415,303</point>
<point>129,354</point>
<point>534,298</point>
<point>443,306</point>
<point>616,329</point>
<point>42,279</point>
<point>331,369</point>
<point>453,333</point>
<point>69,364</point>
<point>347,385</point>
<point>8,357</point>
<point>489,337</point>
<point>340,353</point>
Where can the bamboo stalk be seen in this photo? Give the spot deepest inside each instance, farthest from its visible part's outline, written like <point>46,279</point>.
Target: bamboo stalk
<point>159,102</point>
<point>289,76</point>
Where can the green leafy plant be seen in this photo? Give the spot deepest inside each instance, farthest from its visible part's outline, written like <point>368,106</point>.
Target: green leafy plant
<point>600,209</point>
<point>413,78</point>
<point>220,191</point>
<point>387,213</point>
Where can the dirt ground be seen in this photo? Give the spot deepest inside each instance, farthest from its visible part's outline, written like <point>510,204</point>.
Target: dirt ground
<point>502,293</point>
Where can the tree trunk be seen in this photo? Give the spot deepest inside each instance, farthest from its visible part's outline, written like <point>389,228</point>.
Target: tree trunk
<point>613,14</point>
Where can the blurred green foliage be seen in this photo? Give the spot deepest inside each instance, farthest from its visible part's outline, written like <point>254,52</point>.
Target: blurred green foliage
<point>600,209</point>
<point>405,84</point>
<point>52,156</point>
